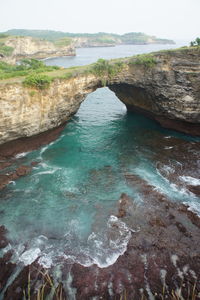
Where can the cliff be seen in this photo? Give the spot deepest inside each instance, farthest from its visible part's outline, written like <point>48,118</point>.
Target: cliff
<point>29,47</point>
<point>165,86</point>
<point>100,39</point>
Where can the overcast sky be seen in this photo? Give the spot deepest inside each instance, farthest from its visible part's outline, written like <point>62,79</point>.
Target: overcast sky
<point>176,19</point>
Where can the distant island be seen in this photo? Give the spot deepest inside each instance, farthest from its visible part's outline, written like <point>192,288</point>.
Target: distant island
<point>92,39</point>
<point>16,44</point>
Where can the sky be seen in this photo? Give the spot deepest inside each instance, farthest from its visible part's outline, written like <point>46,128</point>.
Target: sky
<point>175,19</point>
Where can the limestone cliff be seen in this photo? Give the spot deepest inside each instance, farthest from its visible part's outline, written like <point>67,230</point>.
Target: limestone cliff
<point>168,91</point>
<point>23,113</point>
<point>29,47</point>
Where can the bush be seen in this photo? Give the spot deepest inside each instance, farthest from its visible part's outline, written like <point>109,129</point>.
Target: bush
<point>106,70</point>
<point>26,67</point>
<point>6,50</point>
<point>196,42</point>
<point>3,35</point>
<point>39,81</point>
<point>145,60</point>
<point>63,42</point>
<point>32,63</point>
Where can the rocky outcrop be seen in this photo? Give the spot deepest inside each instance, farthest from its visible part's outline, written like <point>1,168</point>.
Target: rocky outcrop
<point>29,47</point>
<point>168,91</point>
<point>24,114</point>
<point>161,261</point>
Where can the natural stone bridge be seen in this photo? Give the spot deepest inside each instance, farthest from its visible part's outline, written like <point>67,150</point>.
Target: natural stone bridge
<point>168,91</point>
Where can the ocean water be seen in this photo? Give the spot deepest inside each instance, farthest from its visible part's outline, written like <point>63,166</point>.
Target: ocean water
<point>66,207</point>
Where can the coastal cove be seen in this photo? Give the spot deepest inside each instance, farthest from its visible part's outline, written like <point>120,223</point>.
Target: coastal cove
<point>110,205</point>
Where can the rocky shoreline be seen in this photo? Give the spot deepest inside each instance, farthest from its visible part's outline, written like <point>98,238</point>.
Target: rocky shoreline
<point>8,152</point>
<point>162,259</point>
<point>29,47</point>
<point>168,92</point>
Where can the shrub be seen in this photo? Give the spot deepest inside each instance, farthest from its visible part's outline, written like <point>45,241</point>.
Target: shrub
<point>63,42</point>
<point>32,93</point>
<point>26,67</point>
<point>39,81</point>
<point>145,60</point>
<point>196,42</point>
<point>6,50</point>
<point>32,63</point>
<point>106,70</point>
<point>3,35</point>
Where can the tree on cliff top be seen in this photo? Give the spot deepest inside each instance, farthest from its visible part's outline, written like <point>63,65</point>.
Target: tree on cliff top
<point>196,42</point>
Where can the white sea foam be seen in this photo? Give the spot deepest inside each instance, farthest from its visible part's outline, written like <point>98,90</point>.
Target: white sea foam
<point>101,248</point>
<point>20,155</point>
<point>45,261</point>
<point>194,207</point>
<point>190,180</point>
<point>12,182</point>
<point>105,248</point>
<point>48,172</point>
<point>44,148</point>
<point>29,256</point>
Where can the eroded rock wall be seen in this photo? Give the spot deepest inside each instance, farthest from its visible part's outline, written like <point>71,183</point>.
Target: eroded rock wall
<point>168,92</point>
<point>28,47</point>
<point>25,112</point>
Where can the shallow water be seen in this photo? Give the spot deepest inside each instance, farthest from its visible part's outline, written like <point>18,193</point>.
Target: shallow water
<point>66,207</point>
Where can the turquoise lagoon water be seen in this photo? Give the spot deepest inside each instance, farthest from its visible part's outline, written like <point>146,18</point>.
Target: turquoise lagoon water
<point>66,207</point>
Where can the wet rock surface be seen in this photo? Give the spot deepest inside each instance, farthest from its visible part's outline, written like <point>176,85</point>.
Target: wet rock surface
<point>162,252</point>
<point>11,176</point>
<point>8,152</point>
<point>162,255</point>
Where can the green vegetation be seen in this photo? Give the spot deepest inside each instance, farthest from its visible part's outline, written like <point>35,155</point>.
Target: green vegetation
<point>32,93</point>
<point>196,42</point>
<point>5,50</point>
<point>104,40</point>
<point>100,37</point>
<point>3,35</point>
<point>106,69</point>
<point>146,60</point>
<point>65,41</point>
<point>31,64</point>
<point>26,67</point>
<point>39,81</point>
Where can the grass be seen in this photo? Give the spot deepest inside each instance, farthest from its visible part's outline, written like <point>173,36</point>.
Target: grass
<point>146,60</point>
<point>106,69</point>
<point>48,287</point>
<point>6,50</point>
<point>39,81</point>
<point>27,67</point>
<point>63,42</point>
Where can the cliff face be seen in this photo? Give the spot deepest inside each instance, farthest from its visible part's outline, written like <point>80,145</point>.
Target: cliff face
<point>26,112</point>
<point>169,92</point>
<point>25,47</point>
<point>93,39</point>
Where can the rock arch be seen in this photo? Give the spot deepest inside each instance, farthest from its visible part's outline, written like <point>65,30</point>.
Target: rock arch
<point>168,92</point>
